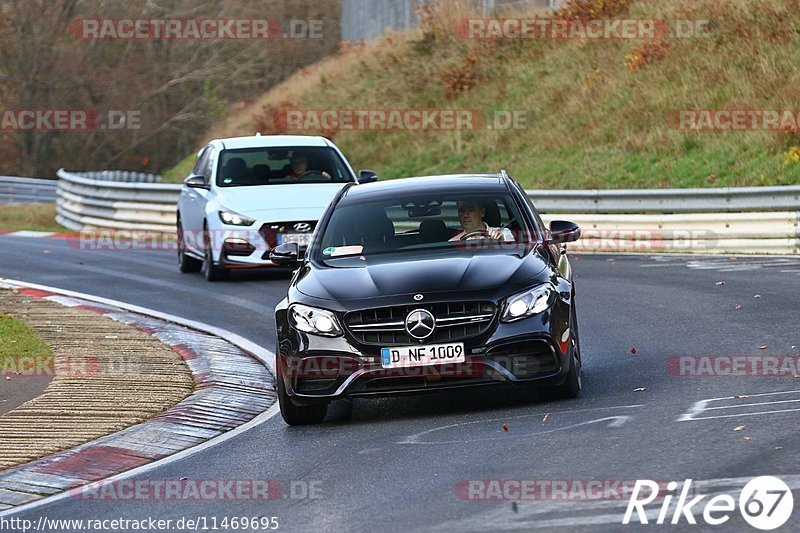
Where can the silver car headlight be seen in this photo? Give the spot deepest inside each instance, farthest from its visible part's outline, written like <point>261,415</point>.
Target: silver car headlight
<point>235,219</point>
<point>528,303</point>
<point>315,321</point>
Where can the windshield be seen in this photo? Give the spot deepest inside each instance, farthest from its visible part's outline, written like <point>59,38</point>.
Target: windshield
<point>424,225</point>
<point>281,166</point>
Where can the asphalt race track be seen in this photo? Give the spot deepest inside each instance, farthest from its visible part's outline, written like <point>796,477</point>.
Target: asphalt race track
<point>395,465</point>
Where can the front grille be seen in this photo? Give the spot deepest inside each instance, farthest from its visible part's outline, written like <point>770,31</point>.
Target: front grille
<point>270,230</point>
<point>385,326</point>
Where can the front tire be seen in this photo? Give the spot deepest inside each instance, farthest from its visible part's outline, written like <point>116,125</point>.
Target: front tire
<point>571,388</point>
<point>299,415</point>
<point>209,269</point>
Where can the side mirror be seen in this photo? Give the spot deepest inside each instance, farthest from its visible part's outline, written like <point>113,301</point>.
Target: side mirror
<point>367,176</point>
<point>562,232</point>
<point>286,255</point>
<point>196,182</point>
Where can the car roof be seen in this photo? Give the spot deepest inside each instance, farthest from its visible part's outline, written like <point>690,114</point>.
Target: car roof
<point>268,141</point>
<point>424,184</point>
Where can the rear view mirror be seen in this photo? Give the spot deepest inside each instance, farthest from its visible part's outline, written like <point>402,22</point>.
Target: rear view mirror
<point>367,176</point>
<point>196,182</point>
<point>286,255</point>
<point>562,232</point>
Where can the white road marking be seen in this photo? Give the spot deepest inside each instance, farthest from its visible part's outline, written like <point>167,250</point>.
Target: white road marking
<point>660,265</point>
<point>615,421</point>
<point>751,404</point>
<point>30,234</point>
<point>699,408</point>
<point>742,263</point>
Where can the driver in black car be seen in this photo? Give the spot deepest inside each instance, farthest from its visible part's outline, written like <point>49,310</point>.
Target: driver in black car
<point>471,214</point>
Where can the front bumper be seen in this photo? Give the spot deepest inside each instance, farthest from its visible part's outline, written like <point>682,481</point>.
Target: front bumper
<point>248,247</point>
<point>534,350</point>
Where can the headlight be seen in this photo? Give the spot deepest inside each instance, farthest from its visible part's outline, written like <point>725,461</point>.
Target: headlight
<point>316,321</point>
<point>235,219</point>
<point>530,302</point>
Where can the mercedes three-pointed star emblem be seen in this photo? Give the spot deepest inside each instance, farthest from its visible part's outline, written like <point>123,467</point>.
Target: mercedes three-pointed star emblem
<point>420,324</point>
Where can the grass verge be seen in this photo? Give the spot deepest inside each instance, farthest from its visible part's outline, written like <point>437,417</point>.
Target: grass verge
<point>18,342</point>
<point>30,217</point>
<point>599,113</point>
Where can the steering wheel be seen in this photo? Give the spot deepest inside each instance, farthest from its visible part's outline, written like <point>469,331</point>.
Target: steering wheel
<point>480,232</point>
<point>309,173</point>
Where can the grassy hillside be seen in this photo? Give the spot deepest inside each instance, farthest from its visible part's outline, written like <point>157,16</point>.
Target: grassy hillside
<point>600,113</point>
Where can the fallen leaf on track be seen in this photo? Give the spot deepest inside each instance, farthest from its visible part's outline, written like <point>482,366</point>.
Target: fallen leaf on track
<point>748,438</point>
<point>720,283</point>
<point>757,296</point>
<point>505,428</point>
<point>738,307</point>
<point>740,396</point>
<point>739,428</point>
<point>763,347</point>
<point>634,351</point>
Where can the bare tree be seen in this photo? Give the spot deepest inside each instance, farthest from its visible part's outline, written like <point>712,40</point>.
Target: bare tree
<point>178,88</point>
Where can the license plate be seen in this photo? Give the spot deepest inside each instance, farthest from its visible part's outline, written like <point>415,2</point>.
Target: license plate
<point>300,238</point>
<point>411,356</point>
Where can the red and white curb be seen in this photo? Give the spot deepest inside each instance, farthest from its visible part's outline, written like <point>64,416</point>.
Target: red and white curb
<point>234,391</point>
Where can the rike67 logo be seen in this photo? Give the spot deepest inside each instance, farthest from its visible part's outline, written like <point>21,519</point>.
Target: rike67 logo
<point>765,503</point>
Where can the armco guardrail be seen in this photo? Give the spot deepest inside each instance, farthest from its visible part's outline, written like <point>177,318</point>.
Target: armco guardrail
<point>86,200</point>
<point>758,220</point>
<point>122,175</point>
<point>721,200</point>
<point>719,233</point>
<point>15,190</point>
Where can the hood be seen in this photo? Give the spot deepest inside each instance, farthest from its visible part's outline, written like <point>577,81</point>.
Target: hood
<point>255,200</point>
<point>377,277</point>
